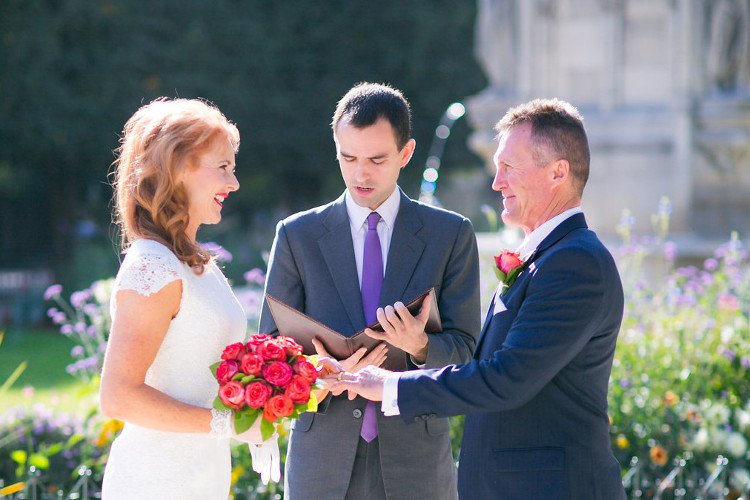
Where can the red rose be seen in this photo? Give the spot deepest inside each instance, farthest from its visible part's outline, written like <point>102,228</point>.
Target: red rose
<point>233,351</point>
<point>255,340</point>
<point>226,370</point>
<point>232,394</point>
<point>290,345</point>
<point>271,350</point>
<point>257,393</point>
<point>508,261</point>
<point>306,369</point>
<point>278,373</point>
<point>278,406</point>
<point>298,390</point>
<point>251,364</point>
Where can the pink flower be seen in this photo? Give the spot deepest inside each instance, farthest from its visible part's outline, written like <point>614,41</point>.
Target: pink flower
<point>278,406</point>
<point>306,369</point>
<point>257,339</point>
<point>298,390</point>
<point>251,364</point>
<point>271,351</point>
<point>233,351</point>
<point>508,261</point>
<point>278,373</point>
<point>226,370</point>
<point>257,393</point>
<point>232,394</point>
<point>290,345</point>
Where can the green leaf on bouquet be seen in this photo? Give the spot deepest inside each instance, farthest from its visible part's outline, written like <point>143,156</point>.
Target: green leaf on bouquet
<point>219,405</point>
<point>247,379</point>
<point>244,419</point>
<point>266,429</point>
<point>312,404</point>
<point>238,376</point>
<point>213,368</point>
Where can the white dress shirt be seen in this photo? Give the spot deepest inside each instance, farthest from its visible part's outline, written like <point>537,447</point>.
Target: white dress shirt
<point>527,247</point>
<point>388,211</point>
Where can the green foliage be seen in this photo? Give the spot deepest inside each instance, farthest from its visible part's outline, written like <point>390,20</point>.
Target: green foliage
<point>680,386</point>
<point>74,71</point>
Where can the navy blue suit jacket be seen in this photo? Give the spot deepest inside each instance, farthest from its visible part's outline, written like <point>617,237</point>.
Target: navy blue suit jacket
<point>535,394</point>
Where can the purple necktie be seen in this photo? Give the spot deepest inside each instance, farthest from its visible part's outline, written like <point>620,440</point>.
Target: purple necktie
<point>372,282</point>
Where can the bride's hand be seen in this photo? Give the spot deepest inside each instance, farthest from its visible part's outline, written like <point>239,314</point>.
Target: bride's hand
<point>360,359</point>
<point>252,435</point>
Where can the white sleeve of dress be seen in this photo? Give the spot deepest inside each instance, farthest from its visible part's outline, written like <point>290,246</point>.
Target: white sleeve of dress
<point>148,273</point>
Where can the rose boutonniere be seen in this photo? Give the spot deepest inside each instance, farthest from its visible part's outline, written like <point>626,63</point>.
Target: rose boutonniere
<point>507,267</point>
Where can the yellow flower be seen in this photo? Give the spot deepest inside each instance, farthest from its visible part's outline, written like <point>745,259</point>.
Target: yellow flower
<point>237,473</point>
<point>671,399</point>
<point>109,430</point>
<point>11,489</point>
<point>622,442</point>
<point>658,455</point>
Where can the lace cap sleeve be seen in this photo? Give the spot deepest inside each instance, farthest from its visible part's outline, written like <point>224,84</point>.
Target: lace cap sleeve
<point>147,272</point>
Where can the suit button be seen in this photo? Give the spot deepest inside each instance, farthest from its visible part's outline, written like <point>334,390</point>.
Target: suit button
<point>417,418</point>
<point>433,415</point>
<point>357,413</point>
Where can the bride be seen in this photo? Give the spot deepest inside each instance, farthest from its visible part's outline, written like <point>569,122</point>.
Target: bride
<point>172,308</point>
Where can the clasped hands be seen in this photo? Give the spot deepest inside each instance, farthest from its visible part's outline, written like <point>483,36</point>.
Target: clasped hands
<point>361,373</point>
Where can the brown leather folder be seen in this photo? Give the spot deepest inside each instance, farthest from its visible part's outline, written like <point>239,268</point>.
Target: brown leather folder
<point>303,328</point>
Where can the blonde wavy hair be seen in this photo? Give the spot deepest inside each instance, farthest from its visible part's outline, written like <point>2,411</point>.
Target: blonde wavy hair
<point>159,142</point>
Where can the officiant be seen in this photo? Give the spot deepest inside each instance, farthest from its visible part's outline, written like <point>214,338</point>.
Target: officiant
<point>338,263</point>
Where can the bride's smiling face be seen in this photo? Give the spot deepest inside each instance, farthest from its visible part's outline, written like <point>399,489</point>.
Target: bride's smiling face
<point>208,183</point>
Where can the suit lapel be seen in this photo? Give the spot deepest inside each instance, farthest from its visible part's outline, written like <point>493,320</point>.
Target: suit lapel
<point>338,251</point>
<point>404,252</point>
<point>577,221</point>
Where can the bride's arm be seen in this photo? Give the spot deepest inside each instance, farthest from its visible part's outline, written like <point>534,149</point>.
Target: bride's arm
<point>138,329</point>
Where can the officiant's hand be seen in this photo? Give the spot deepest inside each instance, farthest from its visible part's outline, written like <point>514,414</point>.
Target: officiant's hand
<point>403,330</point>
<point>367,382</point>
<point>360,359</point>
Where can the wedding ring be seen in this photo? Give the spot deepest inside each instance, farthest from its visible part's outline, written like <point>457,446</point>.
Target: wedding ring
<point>339,375</point>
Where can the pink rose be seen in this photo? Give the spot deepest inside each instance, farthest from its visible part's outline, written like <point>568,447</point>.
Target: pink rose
<point>257,393</point>
<point>233,351</point>
<point>290,345</point>
<point>232,394</point>
<point>257,339</point>
<point>226,370</point>
<point>306,369</point>
<point>278,406</point>
<point>251,364</point>
<point>271,350</point>
<point>508,261</point>
<point>298,390</point>
<point>278,373</point>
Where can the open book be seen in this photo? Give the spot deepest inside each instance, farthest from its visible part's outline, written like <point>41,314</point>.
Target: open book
<point>302,328</point>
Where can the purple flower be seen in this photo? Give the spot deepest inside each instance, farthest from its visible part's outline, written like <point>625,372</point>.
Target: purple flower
<point>745,362</point>
<point>727,353</point>
<point>52,311</point>
<point>670,251</point>
<point>217,251</point>
<point>255,276</point>
<point>80,327</point>
<point>66,330</point>
<point>711,265</point>
<point>52,292</point>
<point>59,318</point>
<point>77,351</point>
<point>91,331</point>
<point>77,299</point>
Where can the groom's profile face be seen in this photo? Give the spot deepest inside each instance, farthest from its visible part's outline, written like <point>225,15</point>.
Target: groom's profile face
<point>370,160</point>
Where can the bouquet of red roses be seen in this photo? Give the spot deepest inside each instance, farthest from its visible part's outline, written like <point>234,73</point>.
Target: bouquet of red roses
<point>267,376</point>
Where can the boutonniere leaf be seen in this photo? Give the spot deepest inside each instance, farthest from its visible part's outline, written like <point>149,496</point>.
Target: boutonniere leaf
<point>508,265</point>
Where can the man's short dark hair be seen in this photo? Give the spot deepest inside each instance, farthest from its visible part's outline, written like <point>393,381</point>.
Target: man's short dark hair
<point>366,103</point>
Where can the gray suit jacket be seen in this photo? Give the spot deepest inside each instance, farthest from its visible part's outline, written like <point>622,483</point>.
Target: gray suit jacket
<point>312,268</point>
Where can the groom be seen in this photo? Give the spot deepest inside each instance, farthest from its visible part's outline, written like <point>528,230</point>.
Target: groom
<point>535,394</point>
<point>338,263</point>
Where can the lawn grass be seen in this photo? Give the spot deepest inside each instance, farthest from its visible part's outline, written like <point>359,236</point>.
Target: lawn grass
<point>45,380</point>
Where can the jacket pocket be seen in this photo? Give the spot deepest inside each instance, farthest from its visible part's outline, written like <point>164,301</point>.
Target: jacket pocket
<point>437,426</point>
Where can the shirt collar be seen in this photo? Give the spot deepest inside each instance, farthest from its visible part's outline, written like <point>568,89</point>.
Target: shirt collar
<point>388,210</point>
<point>532,241</point>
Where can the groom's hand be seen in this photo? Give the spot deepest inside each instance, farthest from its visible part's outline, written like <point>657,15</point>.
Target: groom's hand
<point>367,382</point>
<point>403,330</point>
<point>360,359</point>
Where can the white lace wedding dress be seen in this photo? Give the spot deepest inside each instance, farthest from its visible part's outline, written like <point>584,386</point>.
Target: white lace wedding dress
<point>146,463</point>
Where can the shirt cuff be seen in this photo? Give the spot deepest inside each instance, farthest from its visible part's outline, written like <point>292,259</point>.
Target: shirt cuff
<point>390,396</point>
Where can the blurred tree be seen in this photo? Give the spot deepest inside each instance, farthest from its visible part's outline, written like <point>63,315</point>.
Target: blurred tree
<point>73,71</point>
